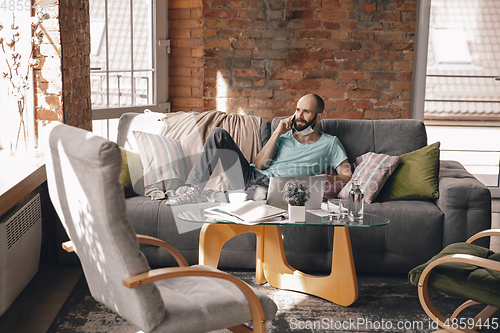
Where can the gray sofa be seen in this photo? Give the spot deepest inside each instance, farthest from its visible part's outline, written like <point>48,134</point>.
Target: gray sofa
<point>417,229</point>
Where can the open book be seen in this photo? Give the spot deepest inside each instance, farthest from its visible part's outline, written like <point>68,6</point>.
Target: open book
<point>244,212</point>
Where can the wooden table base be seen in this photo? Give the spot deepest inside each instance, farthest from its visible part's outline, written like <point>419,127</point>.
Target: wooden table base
<point>340,287</point>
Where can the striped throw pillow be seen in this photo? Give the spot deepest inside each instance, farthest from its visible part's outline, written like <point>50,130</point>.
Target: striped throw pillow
<point>162,159</point>
<point>373,170</point>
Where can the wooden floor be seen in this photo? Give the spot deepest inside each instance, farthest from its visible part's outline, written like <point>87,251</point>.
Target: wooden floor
<point>36,307</point>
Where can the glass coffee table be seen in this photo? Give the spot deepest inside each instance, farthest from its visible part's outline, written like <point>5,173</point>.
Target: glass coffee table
<point>340,287</point>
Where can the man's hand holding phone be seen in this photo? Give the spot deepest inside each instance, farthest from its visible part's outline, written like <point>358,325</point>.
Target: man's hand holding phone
<point>267,154</point>
<point>285,124</point>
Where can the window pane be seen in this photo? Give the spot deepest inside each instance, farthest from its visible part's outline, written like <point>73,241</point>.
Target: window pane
<point>143,83</point>
<point>119,40</point>
<point>98,45</point>
<point>98,84</point>
<point>122,61</point>
<point>143,35</point>
<point>120,89</point>
<point>107,128</point>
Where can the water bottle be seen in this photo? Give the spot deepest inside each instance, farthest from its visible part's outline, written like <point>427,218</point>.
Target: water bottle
<point>355,202</point>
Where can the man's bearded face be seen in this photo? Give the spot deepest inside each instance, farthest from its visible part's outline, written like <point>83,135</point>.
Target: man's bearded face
<point>301,124</point>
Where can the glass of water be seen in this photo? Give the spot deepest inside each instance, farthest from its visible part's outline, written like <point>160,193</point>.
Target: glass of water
<point>337,210</point>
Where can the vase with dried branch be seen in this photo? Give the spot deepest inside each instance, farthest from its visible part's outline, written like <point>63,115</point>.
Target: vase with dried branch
<point>16,68</point>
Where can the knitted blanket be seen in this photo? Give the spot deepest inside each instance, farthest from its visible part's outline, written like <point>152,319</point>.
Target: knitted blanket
<point>192,129</point>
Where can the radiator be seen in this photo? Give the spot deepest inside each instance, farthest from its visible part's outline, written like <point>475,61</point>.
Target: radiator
<point>20,242</point>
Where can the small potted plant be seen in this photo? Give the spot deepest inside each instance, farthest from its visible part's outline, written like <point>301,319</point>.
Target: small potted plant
<point>295,194</point>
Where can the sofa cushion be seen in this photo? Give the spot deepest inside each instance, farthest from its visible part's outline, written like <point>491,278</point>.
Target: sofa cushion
<point>416,177</point>
<point>148,122</point>
<point>465,202</point>
<point>162,159</point>
<point>391,136</point>
<point>356,136</point>
<point>398,136</point>
<point>264,131</point>
<point>413,235</point>
<point>373,170</point>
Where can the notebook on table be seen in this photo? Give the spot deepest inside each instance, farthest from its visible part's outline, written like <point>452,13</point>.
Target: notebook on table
<point>244,212</point>
<point>315,184</point>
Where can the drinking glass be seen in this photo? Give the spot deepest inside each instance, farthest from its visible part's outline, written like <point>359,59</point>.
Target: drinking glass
<point>337,210</point>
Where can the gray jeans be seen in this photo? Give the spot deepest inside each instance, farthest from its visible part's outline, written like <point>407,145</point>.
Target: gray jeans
<point>220,146</point>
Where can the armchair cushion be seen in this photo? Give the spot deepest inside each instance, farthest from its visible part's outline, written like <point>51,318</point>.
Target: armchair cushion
<point>192,301</point>
<point>470,281</point>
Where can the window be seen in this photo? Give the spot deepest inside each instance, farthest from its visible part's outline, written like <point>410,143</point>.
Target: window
<point>128,59</point>
<point>457,93</point>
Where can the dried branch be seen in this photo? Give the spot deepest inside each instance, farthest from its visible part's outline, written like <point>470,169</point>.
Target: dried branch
<point>15,63</point>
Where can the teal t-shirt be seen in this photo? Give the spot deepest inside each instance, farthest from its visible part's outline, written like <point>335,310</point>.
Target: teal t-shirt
<point>294,159</point>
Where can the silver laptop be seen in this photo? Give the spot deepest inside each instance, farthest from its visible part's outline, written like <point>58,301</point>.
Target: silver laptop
<point>315,184</point>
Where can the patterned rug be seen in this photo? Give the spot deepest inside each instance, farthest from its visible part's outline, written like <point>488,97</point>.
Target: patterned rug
<point>386,303</point>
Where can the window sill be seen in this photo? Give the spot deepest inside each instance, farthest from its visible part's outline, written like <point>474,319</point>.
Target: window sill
<point>18,177</point>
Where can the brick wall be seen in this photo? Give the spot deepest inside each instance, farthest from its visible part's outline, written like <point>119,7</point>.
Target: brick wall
<point>75,43</point>
<point>48,76</point>
<point>265,54</point>
<point>62,81</point>
<point>186,67</point>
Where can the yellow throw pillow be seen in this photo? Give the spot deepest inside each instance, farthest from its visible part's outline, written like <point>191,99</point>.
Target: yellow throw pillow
<point>131,165</point>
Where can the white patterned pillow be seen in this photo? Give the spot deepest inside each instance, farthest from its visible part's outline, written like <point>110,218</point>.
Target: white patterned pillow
<point>373,171</point>
<point>163,161</point>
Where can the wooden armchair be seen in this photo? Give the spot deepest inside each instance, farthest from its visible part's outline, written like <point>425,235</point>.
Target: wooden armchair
<point>82,174</point>
<point>466,270</point>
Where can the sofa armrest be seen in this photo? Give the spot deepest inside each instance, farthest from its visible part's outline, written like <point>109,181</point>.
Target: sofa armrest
<point>465,202</point>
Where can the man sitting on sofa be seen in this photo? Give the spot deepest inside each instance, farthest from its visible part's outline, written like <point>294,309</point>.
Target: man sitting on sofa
<point>296,148</point>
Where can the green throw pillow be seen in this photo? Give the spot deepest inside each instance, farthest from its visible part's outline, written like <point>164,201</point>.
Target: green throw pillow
<point>130,161</point>
<point>416,176</point>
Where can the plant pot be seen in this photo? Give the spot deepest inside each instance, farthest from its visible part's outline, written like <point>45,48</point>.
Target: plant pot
<point>297,213</point>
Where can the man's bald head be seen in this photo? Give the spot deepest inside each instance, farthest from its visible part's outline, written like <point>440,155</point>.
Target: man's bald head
<point>313,99</point>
